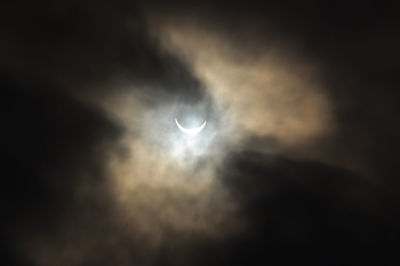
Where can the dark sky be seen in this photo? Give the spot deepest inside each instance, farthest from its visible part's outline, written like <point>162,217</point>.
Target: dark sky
<point>311,178</point>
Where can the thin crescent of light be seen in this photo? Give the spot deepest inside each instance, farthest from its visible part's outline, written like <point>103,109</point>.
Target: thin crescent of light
<point>191,131</point>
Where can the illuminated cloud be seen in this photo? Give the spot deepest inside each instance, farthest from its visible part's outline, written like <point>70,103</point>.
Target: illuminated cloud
<point>102,175</point>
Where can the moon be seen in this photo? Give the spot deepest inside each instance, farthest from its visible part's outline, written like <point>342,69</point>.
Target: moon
<point>191,131</point>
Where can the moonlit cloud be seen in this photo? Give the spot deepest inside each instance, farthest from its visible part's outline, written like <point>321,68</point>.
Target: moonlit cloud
<point>166,181</point>
<point>298,146</point>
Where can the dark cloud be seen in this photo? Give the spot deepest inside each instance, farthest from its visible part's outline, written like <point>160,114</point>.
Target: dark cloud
<point>52,143</point>
<point>295,212</point>
<point>290,201</point>
<point>356,45</point>
<point>81,46</point>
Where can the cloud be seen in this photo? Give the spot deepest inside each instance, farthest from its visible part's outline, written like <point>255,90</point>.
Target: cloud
<point>88,47</point>
<point>291,155</point>
<point>54,146</point>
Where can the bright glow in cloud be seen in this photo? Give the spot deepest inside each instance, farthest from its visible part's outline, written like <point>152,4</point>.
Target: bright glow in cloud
<point>166,181</point>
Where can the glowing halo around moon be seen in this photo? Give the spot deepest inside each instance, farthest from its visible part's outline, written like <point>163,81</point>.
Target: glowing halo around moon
<point>190,131</point>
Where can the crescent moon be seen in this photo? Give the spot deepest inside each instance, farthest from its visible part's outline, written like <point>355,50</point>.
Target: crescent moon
<point>191,131</point>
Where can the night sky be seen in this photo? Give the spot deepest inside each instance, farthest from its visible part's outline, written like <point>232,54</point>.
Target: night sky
<point>297,164</point>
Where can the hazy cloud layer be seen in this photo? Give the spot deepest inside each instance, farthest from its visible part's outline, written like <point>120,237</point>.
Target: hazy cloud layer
<point>299,148</point>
